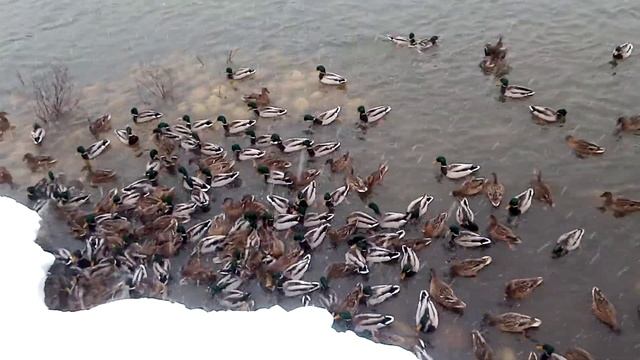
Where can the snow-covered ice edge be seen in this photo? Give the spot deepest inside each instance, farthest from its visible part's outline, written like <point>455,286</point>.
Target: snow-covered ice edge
<point>149,328</point>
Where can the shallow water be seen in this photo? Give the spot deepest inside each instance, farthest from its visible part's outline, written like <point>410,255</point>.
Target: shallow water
<point>442,104</point>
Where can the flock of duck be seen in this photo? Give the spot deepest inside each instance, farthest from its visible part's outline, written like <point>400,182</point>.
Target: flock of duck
<point>142,226</point>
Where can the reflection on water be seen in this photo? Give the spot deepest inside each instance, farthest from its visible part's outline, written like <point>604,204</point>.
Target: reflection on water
<point>442,105</point>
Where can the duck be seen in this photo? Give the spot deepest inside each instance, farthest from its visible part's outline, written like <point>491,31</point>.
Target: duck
<point>274,177</point>
<point>212,150</point>
<point>317,219</point>
<point>236,126</point>
<point>428,43</point>
<point>470,187</point>
<point>246,154</point>
<point>259,141</point>
<point>324,118</point>
<point>37,134</point>
<point>426,313</point>
<point>444,295</point>
<point>241,73</point>
<point>362,220</point>
<point>5,124</point>
<point>336,197</point>
<point>328,78</point>
<point>541,190</point>
<point>356,182</point>
<point>514,91</point>
<point>99,176</point>
<point>164,132</point>
<point>469,267</point>
<point>144,116</point>
<point>465,216</point>
<point>190,182</point>
<point>547,115</point>
<point>481,348</point>
<point>620,206</point>
<point>466,238</point>
<point>519,204</point>
<point>292,288</point>
<point>271,161</point>
<point>567,242</point>
<point>498,50</point>
<point>577,353</point>
<point>340,164</point>
<point>494,190</point>
<point>377,294</point>
<point>37,162</point>
<point>314,237</point>
<point>501,232</point>
<point>378,254</point>
<point>456,170</point>
<point>100,124</point>
<point>389,220</point>
<point>280,204</point>
<point>548,353</point>
<point>126,136</point>
<point>292,144</point>
<point>266,112</point>
<point>513,322</point>
<point>261,99</point>
<point>6,178</point>
<point>604,310</point>
<point>308,193</point>
<point>376,176</point>
<point>321,149</point>
<point>629,124</point>
<point>197,125</point>
<point>518,289</point>
<point>436,227</point>
<point>583,148</point>
<point>403,41</point>
<point>368,322</point>
<point>373,114</point>
<point>418,207</point>
<point>622,51</point>
<point>94,149</point>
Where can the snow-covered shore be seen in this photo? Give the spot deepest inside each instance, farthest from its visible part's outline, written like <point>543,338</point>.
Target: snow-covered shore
<point>148,328</point>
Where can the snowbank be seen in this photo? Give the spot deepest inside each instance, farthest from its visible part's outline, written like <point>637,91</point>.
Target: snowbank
<point>149,328</point>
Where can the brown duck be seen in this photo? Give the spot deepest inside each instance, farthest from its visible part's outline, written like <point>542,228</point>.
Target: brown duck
<point>38,162</point>
<point>619,206</point>
<point>541,190</point>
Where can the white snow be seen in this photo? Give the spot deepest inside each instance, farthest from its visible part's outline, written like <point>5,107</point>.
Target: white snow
<point>147,328</point>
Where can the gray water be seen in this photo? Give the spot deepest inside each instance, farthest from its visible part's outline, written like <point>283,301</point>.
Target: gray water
<point>442,105</point>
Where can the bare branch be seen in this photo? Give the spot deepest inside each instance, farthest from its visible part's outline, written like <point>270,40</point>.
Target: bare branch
<point>53,94</point>
<point>231,53</point>
<point>156,81</point>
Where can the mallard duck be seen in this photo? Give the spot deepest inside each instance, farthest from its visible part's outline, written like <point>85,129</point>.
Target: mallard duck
<point>5,124</point>
<point>419,207</point>
<point>197,125</point>
<point>292,288</point>
<point>373,114</point>
<point>37,134</point>
<point>259,141</point>
<point>548,353</point>
<point>336,197</point>
<point>513,322</point>
<point>481,348</point>
<point>290,145</point>
<point>315,236</point>
<point>497,51</point>
<point>501,232</point>
<point>94,149</point>
<point>567,242</point>
<point>190,182</point>
<point>376,176</point>
<point>628,124</point>
<point>99,176</point>
<point>308,193</point>
<point>5,177</point>
<point>144,116</point>
<point>469,267</point>
<point>377,254</point>
<point>37,162</point>
<point>200,198</point>
<point>154,162</point>
<point>340,163</point>
<point>312,220</point>
<point>465,216</point>
<point>280,204</point>
<point>272,162</point>
<point>541,190</point>
<point>321,149</point>
<point>519,289</point>
<point>274,177</point>
<point>470,187</point>
<point>420,350</point>
<point>514,91</point>
<point>389,220</point>
<point>100,124</point>
<point>261,99</point>
<point>403,41</point>
<point>267,111</point>
<point>324,118</point>
<point>355,258</point>
<point>236,126</point>
<point>164,132</point>
<point>604,310</point>
<point>577,353</point>
<point>620,206</point>
<point>519,204</point>
<point>427,43</point>
<point>356,182</point>
<point>378,294</point>
<point>241,73</point>
<point>362,220</point>
<point>197,231</point>
<point>455,171</point>
<point>548,115</point>
<point>583,148</point>
<point>191,142</point>
<point>426,313</point>
<point>443,294</point>
<point>126,136</point>
<point>297,269</point>
<point>212,150</point>
<point>286,221</point>
<point>622,51</point>
<point>494,190</point>
<point>246,154</point>
<point>468,239</point>
<point>328,78</point>
<point>436,227</point>
<point>367,322</point>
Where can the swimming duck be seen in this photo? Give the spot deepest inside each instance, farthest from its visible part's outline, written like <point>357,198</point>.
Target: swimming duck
<point>377,294</point>
<point>541,190</point>
<point>620,206</point>
<point>465,216</point>
<point>469,267</point>
<point>519,204</point>
<point>389,220</point>
<point>246,154</point>
<point>259,141</point>
<point>426,44</point>
<point>470,187</point>
<point>99,176</point>
<point>37,134</point>
<point>336,197</point>
<point>5,125</point>
<point>267,111</point>
<point>513,322</point>
<point>292,144</point>
<point>261,99</point>
<point>5,177</point>
<point>37,162</point>
<point>436,227</point>
<point>455,171</point>
<point>604,310</point>
<point>271,161</point>
<point>376,176</point>
<point>321,149</point>
<point>328,78</point>
<point>426,313</point>
<point>403,41</point>
<point>583,148</point>
<point>548,353</point>
<point>373,114</point>
<point>466,238</point>
<point>494,190</point>
<point>443,294</point>
<point>498,50</point>
<point>514,91</point>
<point>126,136</point>
<point>367,322</point>
<point>241,73</point>
<point>324,118</point>
<point>190,182</point>
<point>628,124</point>
<point>548,115</point>
<point>292,288</point>
<point>197,125</point>
<point>145,115</point>
<point>481,348</point>
<point>622,51</point>
<point>340,163</point>
<point>567,242</point>
<point>519,289</point>
<point>99,125</point>
<point>274,177</point>
<point>94,149</point>
<point>418,207</point>
<point>577,353</point>
<point>236,126</point>
<point>356,182</point>
<point>501,232</point>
